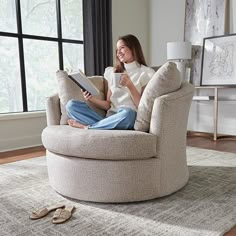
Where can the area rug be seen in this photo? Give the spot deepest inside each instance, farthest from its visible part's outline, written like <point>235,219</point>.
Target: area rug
<point>206,206</point>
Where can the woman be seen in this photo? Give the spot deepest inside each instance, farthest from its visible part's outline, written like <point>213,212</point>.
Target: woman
<point>122,102</point>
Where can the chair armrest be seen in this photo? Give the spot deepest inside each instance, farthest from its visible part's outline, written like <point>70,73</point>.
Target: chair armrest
<point>53,110</point>
<point>169,123</point>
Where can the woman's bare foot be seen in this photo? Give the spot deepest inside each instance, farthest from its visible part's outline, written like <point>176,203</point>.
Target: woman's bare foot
<point>76,124</point>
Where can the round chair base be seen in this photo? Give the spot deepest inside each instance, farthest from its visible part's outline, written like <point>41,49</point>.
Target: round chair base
<point>104,180</point>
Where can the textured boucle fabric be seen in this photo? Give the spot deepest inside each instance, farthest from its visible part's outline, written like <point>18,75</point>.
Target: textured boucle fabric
<point>99,144</point>
<point>171,130</point>
<point>166,80</point>
<point>53,110</point>
<point>121,165</point>
<point>104,180</point>
<point>68,90</point>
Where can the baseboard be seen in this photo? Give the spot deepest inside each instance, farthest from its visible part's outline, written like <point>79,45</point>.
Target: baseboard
<point>20,143</point>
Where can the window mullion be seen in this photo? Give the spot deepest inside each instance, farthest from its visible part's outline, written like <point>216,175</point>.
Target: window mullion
<point>21,56</point>
<point>59,32</point>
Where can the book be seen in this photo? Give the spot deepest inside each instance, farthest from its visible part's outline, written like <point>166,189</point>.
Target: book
<point>83,82</point>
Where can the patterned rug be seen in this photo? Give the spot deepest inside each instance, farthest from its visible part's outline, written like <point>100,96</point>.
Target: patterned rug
<point>206,206</point>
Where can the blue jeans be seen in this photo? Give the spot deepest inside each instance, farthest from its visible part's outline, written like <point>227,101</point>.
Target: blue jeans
<point>81,112</point>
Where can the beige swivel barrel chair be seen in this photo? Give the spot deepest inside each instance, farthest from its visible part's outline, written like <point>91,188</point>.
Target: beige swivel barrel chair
<point>121,165</point>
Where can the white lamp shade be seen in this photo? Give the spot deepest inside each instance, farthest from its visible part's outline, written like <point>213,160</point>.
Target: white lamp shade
<point>179,50</point>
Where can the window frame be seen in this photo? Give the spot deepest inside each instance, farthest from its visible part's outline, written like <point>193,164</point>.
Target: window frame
<point>20,36</point>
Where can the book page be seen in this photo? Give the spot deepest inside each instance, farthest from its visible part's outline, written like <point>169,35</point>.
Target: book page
<point>84,83</point>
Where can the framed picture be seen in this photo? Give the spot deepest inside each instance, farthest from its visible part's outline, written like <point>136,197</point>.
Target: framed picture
<point>204,19</point>
<point>219,61</point>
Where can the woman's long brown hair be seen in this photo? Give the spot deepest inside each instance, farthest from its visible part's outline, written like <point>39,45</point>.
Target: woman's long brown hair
<point>134,45</point>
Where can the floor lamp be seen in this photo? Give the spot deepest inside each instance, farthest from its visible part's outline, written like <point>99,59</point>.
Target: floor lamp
<point>179,52</point>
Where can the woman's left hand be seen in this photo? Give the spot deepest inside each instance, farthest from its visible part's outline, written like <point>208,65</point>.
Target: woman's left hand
<point>87,95</point>
<point>125,80</point>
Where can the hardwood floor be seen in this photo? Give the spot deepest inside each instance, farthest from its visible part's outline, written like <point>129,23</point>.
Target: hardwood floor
<point>22,154</point>
<point>194,141</point>
<point>207,143</point>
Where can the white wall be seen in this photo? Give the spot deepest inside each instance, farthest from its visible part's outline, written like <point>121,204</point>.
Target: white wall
<point>167,24</point>
<point>21,130</point>
<point>131,17</point>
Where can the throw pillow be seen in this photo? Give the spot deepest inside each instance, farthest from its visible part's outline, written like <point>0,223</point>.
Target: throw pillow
<point>166,80</point>
<point>68,90</point>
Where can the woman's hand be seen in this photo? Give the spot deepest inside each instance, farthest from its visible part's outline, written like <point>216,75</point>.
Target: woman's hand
<point>87,95</point>
<point>103,104</point>
<point>125,80</point>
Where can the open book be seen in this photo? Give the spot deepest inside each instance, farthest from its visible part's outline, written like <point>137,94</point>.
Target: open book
<point>83,82</point>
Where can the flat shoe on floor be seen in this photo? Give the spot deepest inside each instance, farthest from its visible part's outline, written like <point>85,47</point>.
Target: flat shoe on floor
<point>62,215</point>
<point>37,214</point>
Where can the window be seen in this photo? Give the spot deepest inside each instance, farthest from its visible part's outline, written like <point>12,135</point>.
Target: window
<point>37,38</point>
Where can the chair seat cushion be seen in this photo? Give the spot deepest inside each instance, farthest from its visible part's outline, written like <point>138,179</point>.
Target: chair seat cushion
<point>99,144</point>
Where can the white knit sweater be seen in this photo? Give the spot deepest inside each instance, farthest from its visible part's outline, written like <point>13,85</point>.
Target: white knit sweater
<point>139,75</point>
